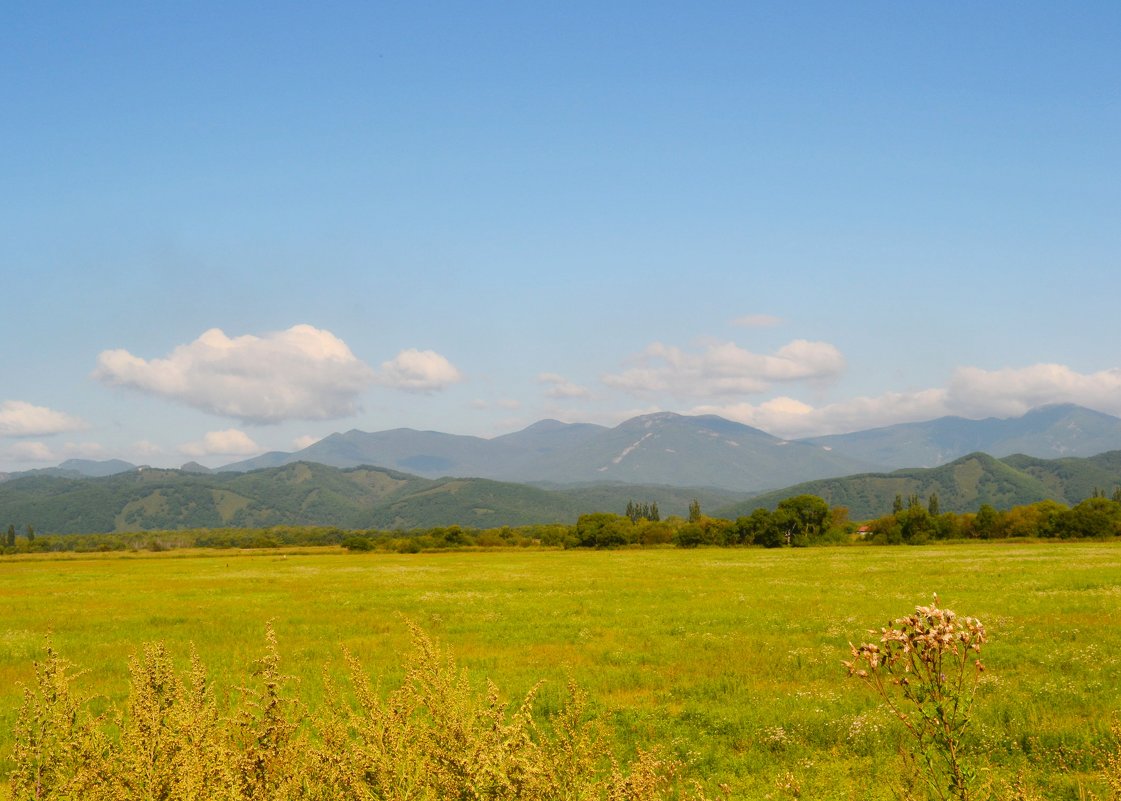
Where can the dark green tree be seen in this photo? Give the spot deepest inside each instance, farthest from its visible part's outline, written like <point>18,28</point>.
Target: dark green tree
<point>689,536</point>
<point>932,505</point>
<point>11,537</point>
<point>602,530</point>
<point>752,529</point>
<point>916,525</point>
<point>645,511</point>
<point>783,527</point>
<point>897,504</point>
<point>695,511</point>
<point>986,524</point>
<point>803,518</point>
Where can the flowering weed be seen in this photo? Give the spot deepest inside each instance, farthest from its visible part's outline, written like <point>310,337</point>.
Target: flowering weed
<point>926,667</point>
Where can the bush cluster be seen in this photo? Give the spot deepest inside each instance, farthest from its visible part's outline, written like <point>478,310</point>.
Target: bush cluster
<point>797,521</point>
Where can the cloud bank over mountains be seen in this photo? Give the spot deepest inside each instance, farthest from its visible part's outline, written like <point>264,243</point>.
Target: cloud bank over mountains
<point>972,392</point>
<point>306,373</point>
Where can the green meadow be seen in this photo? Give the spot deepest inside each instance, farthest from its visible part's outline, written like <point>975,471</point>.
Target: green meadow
<point>728,658</point>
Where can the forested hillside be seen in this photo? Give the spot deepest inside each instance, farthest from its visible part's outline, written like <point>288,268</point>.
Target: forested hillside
<point>961,486</point>
<point>310,494</point>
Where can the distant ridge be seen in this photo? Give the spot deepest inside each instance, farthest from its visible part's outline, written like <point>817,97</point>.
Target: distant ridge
<point>310,494</point>
<point>76,468</point>
<point>662,448</point>
<point>706,450</point>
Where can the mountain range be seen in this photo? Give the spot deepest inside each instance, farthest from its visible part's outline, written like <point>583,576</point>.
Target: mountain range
<point>673,449</point>
<point>311,494</point>
<point>659,448</point>
<point>669,449</point>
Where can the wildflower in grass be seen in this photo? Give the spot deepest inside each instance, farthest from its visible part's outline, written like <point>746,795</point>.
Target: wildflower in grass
<point>926,667</point>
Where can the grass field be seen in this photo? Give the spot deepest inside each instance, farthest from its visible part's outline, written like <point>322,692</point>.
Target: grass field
<point>730,658</point>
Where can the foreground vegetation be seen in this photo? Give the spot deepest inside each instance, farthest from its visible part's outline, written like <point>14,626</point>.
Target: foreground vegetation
<point>729,661</point>
<point>433,737</point>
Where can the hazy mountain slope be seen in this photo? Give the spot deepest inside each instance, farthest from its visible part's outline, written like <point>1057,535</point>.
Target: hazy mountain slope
<point>76,468</point>
<point>424,453</point>
<point>667,448</point>
<point>680,450</point>
<point>1047,432</point>
<point>962,486</point>
<point>544,441</point>
<point>664,448</point>
<point>92,468</point>
<point>435,454</point>
<point>1052,432</point>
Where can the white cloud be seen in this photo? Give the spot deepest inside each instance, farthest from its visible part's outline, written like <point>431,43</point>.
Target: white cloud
<point>21,419</point>
<point>31,452</point>
<point>230,442</point>
<point>301,373</point>
<point>561,388</point>
<point>757,321</point>
<point>724,368</point>
<point>415,370</point>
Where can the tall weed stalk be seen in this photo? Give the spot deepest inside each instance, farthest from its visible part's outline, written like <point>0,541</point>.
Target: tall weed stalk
<point>926,668</point>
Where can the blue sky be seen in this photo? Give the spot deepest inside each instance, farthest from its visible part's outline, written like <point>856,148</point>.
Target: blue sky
<point>228,228</point>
